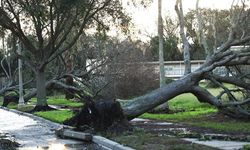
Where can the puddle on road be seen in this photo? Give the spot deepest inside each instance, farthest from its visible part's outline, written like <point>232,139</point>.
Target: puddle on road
<point>162,123</point>
<point>140,120</point>
<point>74,146</point>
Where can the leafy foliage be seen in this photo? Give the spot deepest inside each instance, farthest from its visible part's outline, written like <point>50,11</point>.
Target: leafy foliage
<point>171,51</point>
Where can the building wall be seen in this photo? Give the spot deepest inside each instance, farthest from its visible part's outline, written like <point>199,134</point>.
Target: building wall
<point>175,69</point>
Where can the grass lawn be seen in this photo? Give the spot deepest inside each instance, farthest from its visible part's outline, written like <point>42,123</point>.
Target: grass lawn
<point>56,116</point>
<point>198,114</point>
<point>63,102</point>
<point>141,140</point>
<point>60,102</point>
<point>189,107</point>
<point>56,100</point>
<point>229,126</point>
<point>181,116</point>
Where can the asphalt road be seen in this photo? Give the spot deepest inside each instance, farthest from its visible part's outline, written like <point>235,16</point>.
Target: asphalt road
<point>35,134</point>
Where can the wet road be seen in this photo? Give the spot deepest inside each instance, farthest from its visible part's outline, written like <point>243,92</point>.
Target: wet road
<point>34,134</point>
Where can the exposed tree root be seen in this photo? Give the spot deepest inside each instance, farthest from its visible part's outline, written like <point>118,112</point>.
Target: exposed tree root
<point>103,115</point>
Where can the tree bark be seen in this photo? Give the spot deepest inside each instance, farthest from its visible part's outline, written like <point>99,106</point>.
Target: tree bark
<point>69,80</point>
<point>161,53</point>
<point>201,36</point>
<point>186,45</point>
<point>41,88</point>
<point>142,104</point>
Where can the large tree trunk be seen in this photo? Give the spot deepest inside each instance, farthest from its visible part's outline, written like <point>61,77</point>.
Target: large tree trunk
<point>41,88</point>
<point>69,79</point>
<point>236,107</point>
<point>142,104</point>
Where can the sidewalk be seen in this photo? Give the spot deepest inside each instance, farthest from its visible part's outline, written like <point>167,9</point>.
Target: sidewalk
<point>35,134</point>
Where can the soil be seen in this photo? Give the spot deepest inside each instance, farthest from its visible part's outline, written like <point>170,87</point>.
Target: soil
<point>188,131</point>
<point>158,135</point>
<point>143,140</point>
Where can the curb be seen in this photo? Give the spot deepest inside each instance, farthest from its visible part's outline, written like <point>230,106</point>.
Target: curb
<point>101,141</point>
<point>109,144</point>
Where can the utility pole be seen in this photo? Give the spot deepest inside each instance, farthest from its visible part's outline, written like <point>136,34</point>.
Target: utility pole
<point>21,100</point>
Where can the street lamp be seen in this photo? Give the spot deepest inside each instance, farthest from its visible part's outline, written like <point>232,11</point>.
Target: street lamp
<point>21,100</point>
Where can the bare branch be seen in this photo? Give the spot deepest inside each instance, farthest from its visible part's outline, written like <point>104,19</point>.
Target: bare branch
<point>232,80</point>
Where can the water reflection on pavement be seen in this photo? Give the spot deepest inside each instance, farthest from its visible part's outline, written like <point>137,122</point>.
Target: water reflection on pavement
<point>34,134</point>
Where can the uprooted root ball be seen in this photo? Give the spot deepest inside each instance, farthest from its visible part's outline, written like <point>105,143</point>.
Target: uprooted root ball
<point>100,115</point>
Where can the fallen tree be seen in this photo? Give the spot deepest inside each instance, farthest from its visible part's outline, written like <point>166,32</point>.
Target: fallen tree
<point>233,55</point>
<point>227,56</point>
<point>237,107</point>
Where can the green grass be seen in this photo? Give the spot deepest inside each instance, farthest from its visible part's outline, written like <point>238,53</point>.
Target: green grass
<point>56,116</point>
<point>60,102</point>
<point>51,101</point>
<point>197,114</point>
<point>181,116</point>
<point>228,126</point>
<point>12,105</point>
<point>64,102</point>
<point>26,108</point>
<point>187,103</point>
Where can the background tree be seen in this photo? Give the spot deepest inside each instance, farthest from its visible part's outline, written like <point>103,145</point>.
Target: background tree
<point>160,36</point>
<point>170,42</point>
<point>171,51</point>
<point>50,23</point>
<point>186,45</point>
<point>213,24</point>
